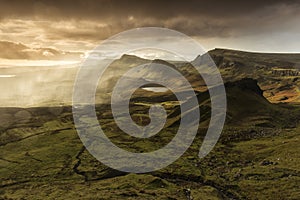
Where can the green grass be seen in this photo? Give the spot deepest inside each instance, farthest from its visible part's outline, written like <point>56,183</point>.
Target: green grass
<point>257,156</point>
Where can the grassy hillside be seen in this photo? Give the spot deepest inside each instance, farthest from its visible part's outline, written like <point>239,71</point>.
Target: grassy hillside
<point>41,156</point>
<point>277,74</point>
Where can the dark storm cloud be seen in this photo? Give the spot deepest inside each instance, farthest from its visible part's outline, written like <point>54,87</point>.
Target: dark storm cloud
<point>270,25</point>
<point>197,18</point>
<point>161,9</point>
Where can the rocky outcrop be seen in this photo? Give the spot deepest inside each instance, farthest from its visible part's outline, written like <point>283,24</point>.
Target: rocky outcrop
<point>286,72</point>
<point>246,84</point>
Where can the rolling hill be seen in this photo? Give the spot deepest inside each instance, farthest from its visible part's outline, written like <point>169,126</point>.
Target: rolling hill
<point>42,156</point>
<point>256,157</point>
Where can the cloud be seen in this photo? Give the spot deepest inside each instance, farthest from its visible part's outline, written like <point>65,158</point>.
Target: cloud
<point>195,17</point>
<point>11,50</point>
<point>95,9</point>
<point>81,24</point>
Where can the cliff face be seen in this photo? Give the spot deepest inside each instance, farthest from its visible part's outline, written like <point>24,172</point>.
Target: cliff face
<point>286,72</point>
<point>277,74</point>
<point>246,84</point>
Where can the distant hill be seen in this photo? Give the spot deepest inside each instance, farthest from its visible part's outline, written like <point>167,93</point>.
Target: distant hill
<point>278,74</point>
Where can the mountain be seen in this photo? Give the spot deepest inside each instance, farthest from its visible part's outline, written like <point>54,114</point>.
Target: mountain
<point>53,85</point>
<point>256,157</point>
<point>278,74</point>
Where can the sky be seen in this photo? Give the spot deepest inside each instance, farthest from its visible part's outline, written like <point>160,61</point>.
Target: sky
<point>43,42</point>
<point>37,29</point>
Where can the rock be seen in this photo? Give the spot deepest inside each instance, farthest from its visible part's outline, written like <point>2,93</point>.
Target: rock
<point>267,162</point>
<point>283,98</point>
<point>187,193</point>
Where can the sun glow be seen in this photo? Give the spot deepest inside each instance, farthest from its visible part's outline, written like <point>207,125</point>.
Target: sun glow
<point>42,63</point>
<point>7,75</point>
